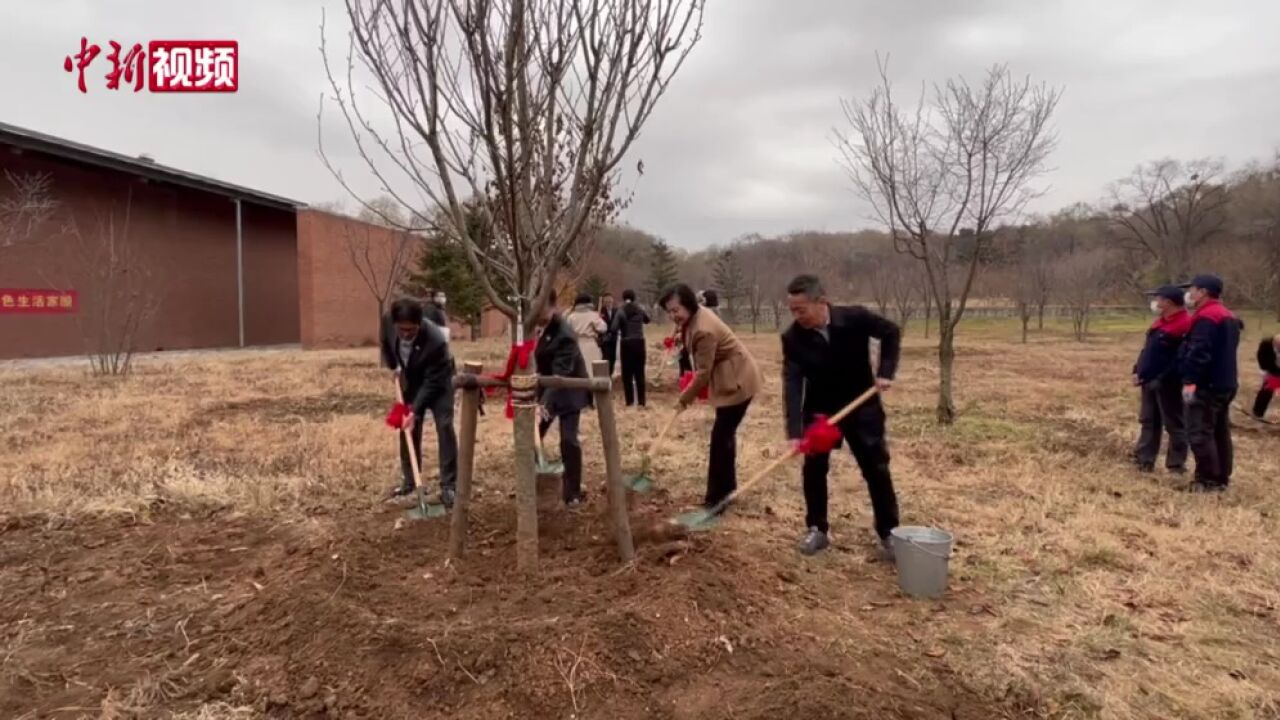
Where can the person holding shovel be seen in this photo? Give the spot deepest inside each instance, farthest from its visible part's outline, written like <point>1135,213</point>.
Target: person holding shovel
<point>826,363</point>
<point>557,353</point>
<point>721,364</point>
<point>419,354</point>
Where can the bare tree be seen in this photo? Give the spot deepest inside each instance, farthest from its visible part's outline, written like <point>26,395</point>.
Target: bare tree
<point>382,258</point>
<point>1083,279</point>
<point>26,204</point>
<point>1166,211</point>
<point>1033,275</point>
<point>525,108</point>
<point>1255,220</point>
<point>114,277</point>
<point>961,161</point>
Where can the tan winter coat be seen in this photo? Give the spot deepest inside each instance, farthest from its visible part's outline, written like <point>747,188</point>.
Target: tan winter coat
<point>719,358</point>
<point>589,327</point>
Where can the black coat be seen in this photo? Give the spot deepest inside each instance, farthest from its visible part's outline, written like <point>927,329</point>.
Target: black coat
<point>1267,357</point>
<point>821,377</point>
<point>611,333</point>
<point>629,323</point>
<point>557,354</point>
<point>430,369</point>
<point>1208,355</point>
<point>1159,357</point>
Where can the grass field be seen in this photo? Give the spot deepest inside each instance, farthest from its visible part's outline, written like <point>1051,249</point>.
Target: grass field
<point>206,539</point>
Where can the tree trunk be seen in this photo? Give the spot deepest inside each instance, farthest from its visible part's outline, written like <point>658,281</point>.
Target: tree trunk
<point>928,316</point>
<point>946,363</point>
<point>526,476</point>
<point>1026,320</point>
<point>1040,309</point>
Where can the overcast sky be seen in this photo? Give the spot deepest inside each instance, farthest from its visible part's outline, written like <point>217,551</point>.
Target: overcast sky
<point>741,143</point>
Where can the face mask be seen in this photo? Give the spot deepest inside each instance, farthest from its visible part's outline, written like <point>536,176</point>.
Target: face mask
<point>1187,299</point>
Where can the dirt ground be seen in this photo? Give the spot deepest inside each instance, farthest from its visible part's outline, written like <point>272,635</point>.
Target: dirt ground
<point>207,540</point>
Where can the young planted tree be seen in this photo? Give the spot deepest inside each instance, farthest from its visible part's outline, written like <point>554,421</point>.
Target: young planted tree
<point>1166,211</point>
<point>663,269</point>
<point>963,159</point>
<point>522,109</point>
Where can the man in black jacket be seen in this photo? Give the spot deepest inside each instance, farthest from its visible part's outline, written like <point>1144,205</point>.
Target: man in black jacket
<point>826,360</point>
<point>629,326</point>
<point>1267,351</point>
<point>1156,373</point>
<point>1208,365</point>
<point>557,353</point>
<point>418,353</point>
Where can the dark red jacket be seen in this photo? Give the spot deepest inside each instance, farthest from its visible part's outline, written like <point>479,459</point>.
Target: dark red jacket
<point>1208,356</point>
<point>1159,357</point>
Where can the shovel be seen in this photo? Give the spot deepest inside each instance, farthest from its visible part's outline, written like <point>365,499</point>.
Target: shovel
<point>642,482</point>
<point>423,509</point>
<point>705,518</point>
<point>545,467</point>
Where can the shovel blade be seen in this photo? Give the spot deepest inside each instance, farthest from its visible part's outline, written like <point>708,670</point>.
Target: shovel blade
<point>641,483</point>
<point>549,468</point>
<point>697,520</point>
<point>426,511</point>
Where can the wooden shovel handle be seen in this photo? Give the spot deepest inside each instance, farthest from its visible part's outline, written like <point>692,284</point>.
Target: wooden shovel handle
<point>657,442</point>
<point>408,439</point>
<point>844,412</point>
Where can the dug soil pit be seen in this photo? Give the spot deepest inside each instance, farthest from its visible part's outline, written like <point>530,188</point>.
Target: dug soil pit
<point>356,617</point>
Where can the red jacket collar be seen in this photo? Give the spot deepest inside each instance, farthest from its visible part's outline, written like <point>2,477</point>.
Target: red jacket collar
<point>1177,324</point>
<point>1214,311</point>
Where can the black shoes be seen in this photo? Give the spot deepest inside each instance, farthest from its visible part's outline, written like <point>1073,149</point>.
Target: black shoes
<point>1202,487</point>
<point>814,542</point>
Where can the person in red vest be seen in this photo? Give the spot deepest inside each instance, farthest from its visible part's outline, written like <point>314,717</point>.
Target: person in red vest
<point>1156,373</point>
<point>1210,380</point>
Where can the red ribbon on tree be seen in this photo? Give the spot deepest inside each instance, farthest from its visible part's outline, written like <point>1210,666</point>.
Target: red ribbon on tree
<point>519,356</point>
<point>820,437</point>
<point>668,342</point>
<point>687,379</point>
<point>396,415</point>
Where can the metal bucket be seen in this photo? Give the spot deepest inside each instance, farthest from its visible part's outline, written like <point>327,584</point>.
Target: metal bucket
<point>922,556</point>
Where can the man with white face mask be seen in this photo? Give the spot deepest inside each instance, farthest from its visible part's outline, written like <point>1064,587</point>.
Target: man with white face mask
<point>1156,373</point>
<point>1208,365</point>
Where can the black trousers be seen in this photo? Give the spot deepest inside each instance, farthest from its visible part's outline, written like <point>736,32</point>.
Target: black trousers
<point>1161,411</point>
<point>1209,433</point>
<point>570,452</point>
<point>1262,402</point>
<point>722,466</point>
<point>441,408</point>
<point>686,365</point>
<point>864,431</point>
<point>609,351</point>
<point>633,357</point>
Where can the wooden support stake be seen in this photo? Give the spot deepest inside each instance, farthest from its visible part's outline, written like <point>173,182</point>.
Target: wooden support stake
<point>466,464</point>
<point>524,398</point>
<point>556,382</point>
<point>613,466</point>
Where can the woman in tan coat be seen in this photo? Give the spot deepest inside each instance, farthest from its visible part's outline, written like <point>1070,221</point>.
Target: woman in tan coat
<point>722,365</point>
<point>589,327</point>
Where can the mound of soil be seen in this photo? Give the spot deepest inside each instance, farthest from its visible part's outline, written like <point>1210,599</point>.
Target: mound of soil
<point>358,616</point>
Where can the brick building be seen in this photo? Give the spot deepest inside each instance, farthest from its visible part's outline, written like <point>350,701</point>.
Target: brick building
<point>180,260</point>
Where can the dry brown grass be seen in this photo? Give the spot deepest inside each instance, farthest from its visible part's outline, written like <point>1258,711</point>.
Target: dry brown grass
<point>1103,593</point>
